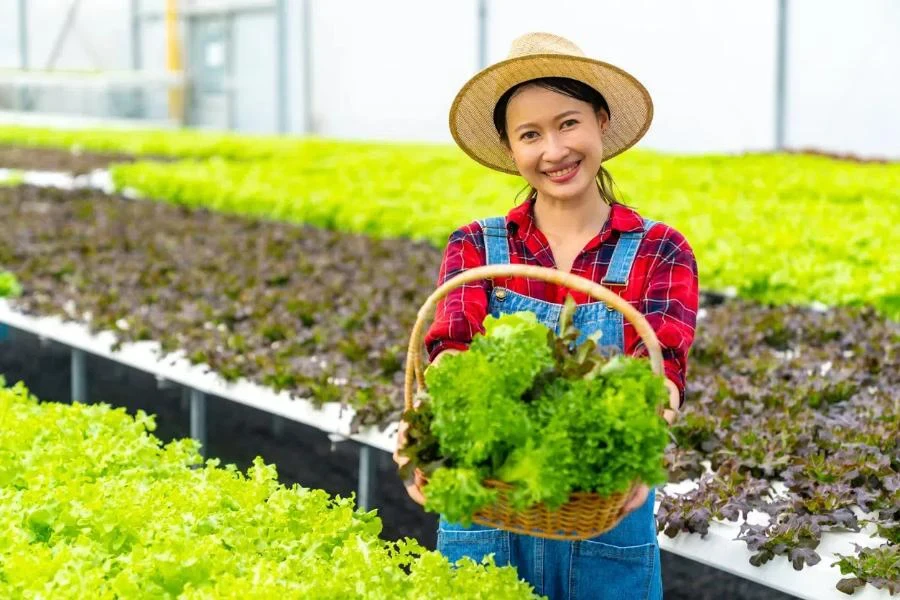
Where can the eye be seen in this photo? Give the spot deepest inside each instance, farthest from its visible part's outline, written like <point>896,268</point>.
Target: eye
<point>570,123</point>
<point>528,135</point>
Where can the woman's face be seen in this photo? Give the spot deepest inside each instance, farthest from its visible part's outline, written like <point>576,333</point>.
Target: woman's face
<point>555,140</point>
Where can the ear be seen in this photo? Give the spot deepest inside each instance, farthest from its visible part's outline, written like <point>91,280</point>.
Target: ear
<point>603,120</point>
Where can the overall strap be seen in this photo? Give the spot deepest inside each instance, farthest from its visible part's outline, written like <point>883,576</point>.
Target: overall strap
<point>496,242</point>
<point>623,255</point>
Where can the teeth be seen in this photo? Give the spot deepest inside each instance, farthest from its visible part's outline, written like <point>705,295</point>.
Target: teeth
<point>563,172</point>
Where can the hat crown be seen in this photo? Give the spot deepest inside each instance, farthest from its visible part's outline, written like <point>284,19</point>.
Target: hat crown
<point>542,43</point>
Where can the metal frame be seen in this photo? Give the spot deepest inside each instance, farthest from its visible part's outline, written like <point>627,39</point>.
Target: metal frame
<point>23,48</point>
<point>229,11</point>
<point>279,9</point>
<point>781,74</point>
<point>224,7</point>
<point>281,56</point>
<point>482,33</point>
<point>65,28</point>
<point>197,383</point>
<point>718,549</point>
<point>198,419</point>
<point>79,376</point>
<point>309,125</point>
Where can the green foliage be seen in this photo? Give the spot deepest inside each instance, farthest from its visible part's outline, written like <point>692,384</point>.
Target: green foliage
<point>91,505</point>
<point>791,413</point>
<point>721,203</point>
<point>534,410</point>
<point>9,285</point>
<point>879,567</point>
<point>272,302</point>
<point>11,178</point>
<point>458,491</point>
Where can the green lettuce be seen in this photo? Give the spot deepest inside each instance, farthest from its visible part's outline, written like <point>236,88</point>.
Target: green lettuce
<point>539,412</point>
<point>92,505</point>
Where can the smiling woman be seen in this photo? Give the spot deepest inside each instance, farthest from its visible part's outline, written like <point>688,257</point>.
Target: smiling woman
<point>553,116</point>
<point>586,120</point>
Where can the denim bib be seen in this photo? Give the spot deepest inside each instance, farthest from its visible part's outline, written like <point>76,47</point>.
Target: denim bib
<point>590,317</point>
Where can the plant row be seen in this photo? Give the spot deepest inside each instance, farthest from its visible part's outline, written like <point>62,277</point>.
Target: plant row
<point>781,393</point>
<point>806,399</point>
<point>93,505</point>
<point>322,314</point>
<point>763,226</point>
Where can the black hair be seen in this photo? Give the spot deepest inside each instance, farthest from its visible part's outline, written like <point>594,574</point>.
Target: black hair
<point>574,89</point>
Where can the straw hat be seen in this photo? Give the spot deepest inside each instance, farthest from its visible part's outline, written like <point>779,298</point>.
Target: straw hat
<point>535,55</point>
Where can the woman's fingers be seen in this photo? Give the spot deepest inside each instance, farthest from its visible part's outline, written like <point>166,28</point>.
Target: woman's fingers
<point>401,442</point>
<point>636,499</point>
<point>439,357</point>
<point>415,493</point>
<point>669,415</point>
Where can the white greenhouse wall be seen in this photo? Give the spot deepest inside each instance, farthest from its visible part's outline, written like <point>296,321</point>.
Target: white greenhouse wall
<point>389,70</point>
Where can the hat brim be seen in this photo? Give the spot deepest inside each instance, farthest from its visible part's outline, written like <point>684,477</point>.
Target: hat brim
<point>472,112</point>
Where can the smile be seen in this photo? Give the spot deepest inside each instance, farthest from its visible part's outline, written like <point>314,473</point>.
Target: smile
<point>563,174</point>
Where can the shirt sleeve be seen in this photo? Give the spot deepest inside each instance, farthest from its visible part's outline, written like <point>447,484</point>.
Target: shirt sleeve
<point>460,315</point>
<point>670,305</point>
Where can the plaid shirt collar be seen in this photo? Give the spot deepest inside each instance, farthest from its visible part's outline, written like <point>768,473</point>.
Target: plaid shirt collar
<point>520,222</point>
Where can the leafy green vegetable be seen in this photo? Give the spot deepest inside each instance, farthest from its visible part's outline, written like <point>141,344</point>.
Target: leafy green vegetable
<point>11,178</point>
<point>310,180</point>
<point>458,492</point>
<point>879,567</point>
<point>539,412</point>
<point>805,398</point>
<point>9,285</point>
<point>91,505</point>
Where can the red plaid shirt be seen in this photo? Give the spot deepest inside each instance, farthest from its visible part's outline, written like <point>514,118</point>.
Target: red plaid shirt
<point>662,285</point>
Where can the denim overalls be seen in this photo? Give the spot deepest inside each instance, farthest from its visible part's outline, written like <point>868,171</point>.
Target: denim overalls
<point>620,564</point>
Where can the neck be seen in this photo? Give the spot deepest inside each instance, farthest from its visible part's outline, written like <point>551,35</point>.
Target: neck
<point>567,217</point>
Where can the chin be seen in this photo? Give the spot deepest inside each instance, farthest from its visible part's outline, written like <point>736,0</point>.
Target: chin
<point>566,191</point>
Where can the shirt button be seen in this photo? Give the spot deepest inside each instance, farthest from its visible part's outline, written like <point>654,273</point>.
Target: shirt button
<point>500,294</point>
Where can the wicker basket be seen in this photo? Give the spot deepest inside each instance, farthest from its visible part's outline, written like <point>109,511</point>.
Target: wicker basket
<point>585,515</point>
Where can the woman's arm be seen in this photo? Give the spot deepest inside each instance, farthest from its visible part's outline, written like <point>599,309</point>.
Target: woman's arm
<point>670,305</point>
<point>457,318</point>
<point>460,315</point>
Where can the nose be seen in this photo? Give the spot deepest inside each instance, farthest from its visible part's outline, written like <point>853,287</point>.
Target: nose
<point>555,149</point>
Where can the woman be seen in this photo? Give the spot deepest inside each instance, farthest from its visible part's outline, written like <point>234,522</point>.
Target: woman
<point>553,116</point>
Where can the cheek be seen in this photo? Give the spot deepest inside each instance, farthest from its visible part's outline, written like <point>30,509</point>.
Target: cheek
<point>592,143</point>
<point>525,156</point>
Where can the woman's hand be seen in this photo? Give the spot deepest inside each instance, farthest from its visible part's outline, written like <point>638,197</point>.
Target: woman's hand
<point>671,413</point>
<point>439,357</point>
<point>412,486</point>
<point>636,498</point>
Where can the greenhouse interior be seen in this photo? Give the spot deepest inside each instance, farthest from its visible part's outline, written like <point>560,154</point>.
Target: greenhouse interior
<point>315,299</point>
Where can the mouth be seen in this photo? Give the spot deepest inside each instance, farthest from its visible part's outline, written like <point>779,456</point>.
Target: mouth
<point>565,173</point>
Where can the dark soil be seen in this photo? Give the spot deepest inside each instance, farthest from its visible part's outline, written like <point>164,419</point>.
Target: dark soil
<point>305,456</point>
<point>52,159</point>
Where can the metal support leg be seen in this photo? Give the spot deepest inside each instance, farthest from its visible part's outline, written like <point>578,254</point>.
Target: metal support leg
<point>277,427</point>
<point>185,398</point>
<point>79,376</point>
<point>198,419</point>
<point>366,477</point>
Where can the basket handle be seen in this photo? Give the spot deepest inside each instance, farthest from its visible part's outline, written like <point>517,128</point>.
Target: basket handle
<point>414,367</point>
